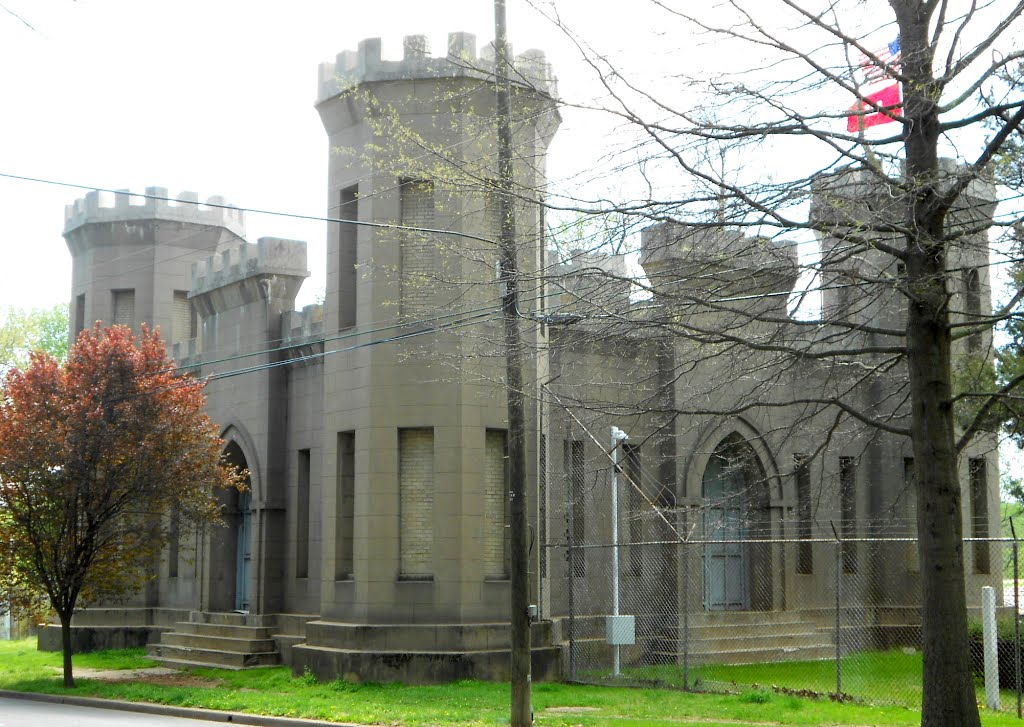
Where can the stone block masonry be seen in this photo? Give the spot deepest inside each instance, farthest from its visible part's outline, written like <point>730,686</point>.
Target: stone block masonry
<point>419,259</point>
<point>416,503</point>
<point>495,511</point>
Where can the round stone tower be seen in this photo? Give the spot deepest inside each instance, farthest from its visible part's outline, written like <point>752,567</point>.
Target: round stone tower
<point>415,535</point>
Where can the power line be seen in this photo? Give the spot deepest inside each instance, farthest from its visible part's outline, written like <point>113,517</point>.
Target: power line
<point>353,333</point>
<point>251,210</point>
<point>319,355</point>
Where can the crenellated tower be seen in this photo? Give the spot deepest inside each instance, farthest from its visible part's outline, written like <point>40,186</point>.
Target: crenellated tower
<point>132,262</point>
<point>861,284</point>
<point>858,214</point>
<point>414,465</point>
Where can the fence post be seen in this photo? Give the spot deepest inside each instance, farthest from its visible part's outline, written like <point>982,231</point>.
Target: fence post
<point>991,644</point>
<point>686,616</point>
<point>571,542</point>
<point>838,588</point>
<point>1016,617</point>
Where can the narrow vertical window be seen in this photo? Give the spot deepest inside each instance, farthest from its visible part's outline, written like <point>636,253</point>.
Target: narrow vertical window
<point>124,308</point>
<point>348,211</point>
<point>418,260</point>
<point>542,502</point>
<point>302,516</point>
<point>636,506</point>
<point>978,473</point>
<point>79,314</point>
<point>345,507</point>
<point>577,506</point>
<point>848,511</point>
<point>173,540</point>
<point>804,548</point>
<point>972,306</point>
<point>542,293</point>
<point>416,503</point>
<point>182,328</point>
<point>496,544</point>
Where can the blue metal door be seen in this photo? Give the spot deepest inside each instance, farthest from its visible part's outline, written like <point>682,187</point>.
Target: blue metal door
<point>243,555</point>
<point>726,581</point>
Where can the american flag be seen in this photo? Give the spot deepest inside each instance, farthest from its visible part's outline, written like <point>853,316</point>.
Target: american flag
<point>877,89</point>
<point>880,67</point>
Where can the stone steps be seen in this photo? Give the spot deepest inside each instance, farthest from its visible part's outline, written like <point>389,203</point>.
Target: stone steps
<point>741,643</point>
<point>223,630</point>
<point>177,656</point>
<point>224,641</point>
<point>766,655</point>
<point>218,643</point>
<point>745,638</point>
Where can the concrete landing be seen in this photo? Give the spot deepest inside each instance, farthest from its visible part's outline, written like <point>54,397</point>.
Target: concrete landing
<point>419,653</point>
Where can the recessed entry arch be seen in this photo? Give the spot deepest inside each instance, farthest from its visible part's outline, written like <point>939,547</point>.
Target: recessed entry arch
<point>231,565</point>
<point>736,493</point>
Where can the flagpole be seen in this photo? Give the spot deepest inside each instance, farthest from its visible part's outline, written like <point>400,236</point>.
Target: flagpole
<point>869,153</point>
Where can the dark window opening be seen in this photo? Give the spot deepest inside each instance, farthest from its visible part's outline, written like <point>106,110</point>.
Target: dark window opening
<point>848,511</point>
<point>804,549</point>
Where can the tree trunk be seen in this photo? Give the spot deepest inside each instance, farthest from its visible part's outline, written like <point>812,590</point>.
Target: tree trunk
<point>949,699</point>
<point>65,642</point>
<point>948,695</point>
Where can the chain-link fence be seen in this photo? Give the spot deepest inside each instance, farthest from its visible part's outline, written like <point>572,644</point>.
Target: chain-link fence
<point>739,610</point>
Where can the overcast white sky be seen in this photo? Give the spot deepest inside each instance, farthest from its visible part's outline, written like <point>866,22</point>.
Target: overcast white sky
<point>214,96</point>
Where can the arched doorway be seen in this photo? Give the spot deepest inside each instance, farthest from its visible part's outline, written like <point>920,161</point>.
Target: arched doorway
<point>231,546</point>
<point>737,574</point>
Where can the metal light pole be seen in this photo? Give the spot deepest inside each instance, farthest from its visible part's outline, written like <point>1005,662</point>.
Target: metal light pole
<point>618,437</point>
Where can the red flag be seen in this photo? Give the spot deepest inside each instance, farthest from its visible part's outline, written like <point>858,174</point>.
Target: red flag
<point>874,71</point>
<point>865,116</point>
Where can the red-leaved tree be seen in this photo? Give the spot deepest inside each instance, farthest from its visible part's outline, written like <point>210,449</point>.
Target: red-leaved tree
<point>94,455</point>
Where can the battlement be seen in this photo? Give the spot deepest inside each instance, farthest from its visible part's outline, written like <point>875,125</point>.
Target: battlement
<point>186,354</point>
<point>728,261</point>
<point>156,205</point>
<point>592,282</point>
<point>581,262</point>
<point>269,256</point>
<point>365,65</point>
<point>299,327</point>
<point>858,198</point>
<point>676,244</point>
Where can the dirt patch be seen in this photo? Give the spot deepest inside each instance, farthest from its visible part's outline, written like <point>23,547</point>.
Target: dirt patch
<point>680,720</point>
<point>158,675</point>
<point>571,710</point>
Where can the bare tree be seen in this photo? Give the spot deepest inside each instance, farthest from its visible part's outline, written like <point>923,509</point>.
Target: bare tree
<point>904,236</point>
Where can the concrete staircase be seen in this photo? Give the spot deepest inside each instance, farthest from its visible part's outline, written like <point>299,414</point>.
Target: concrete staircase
<point>221,640</point>
<point>746,637</point>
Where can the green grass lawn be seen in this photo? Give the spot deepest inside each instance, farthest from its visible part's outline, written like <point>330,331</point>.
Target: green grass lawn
<point>276,692</point>
<point>870,677</point>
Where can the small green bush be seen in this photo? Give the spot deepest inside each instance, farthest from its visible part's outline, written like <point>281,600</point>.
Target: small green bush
<point>1004,650</point>
<point>1004,629</point>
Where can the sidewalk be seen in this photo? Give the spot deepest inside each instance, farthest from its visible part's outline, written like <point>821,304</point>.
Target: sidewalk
<point>211,715</point>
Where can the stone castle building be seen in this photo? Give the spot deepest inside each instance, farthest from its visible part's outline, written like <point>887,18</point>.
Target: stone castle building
<point>372,541</point>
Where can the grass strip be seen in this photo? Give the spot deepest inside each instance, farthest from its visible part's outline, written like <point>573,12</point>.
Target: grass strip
<point>275,691</point>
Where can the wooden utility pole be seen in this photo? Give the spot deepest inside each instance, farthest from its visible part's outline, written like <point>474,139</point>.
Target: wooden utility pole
<point>522,711</point>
